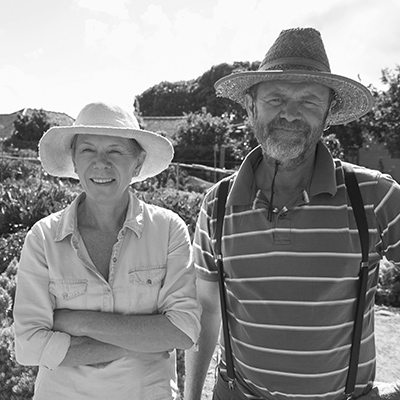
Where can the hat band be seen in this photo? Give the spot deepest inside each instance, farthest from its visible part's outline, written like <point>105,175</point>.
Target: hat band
<point>295,61</point>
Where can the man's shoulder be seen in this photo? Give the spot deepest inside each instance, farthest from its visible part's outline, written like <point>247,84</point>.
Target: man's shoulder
<point>372,181</point>
<point>212,193</point>
<point>364,174</point>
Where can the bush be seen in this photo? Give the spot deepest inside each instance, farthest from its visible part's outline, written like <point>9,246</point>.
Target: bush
<point>388,292</point>
<point>16,381</point>
<point>22,203</point>
<point>18,169</point>
<point>185,204</point>
<point>10,248</point>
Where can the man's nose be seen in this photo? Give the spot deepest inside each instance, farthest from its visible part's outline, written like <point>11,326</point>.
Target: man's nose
<point>290,110</point>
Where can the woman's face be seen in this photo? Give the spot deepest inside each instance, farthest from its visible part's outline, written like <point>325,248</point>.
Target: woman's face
<point>105,166</point>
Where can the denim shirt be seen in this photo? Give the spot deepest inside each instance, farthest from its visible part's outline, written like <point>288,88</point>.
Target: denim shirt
<point>150,272</point>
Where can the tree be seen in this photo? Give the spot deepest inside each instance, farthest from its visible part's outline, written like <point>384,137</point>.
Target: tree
<point>184,97</point>
<point>350,138</point>
<point>166,99</point>
<point>385,123</point>
<point>28,130</point>
<point>199,135</point>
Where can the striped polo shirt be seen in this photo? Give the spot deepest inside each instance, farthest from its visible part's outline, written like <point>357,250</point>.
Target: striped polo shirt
<point>292,283</point>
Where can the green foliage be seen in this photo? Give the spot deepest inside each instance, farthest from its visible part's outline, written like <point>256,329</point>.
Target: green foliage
<point>351,136</point>
<point>385,121</point>
<point>28,130</point>
<point>18,169</point>
<point>197,137</point>
<point>334,145</point>
<point>185,204</point>
<point>184,97</point>
<point>24,203</point>
<point>16,381</point>
<point>166,99</point>
<point>388,292</point>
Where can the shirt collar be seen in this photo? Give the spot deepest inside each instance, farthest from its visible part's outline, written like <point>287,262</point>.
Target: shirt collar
<point>244,188</point>
<point>68,224</point>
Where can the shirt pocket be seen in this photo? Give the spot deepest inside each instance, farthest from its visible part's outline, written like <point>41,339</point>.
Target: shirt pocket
<point>69,293</point>
<point>145,284</point>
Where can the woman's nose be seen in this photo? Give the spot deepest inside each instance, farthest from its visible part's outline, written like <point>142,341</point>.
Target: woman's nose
<point>101,160</point>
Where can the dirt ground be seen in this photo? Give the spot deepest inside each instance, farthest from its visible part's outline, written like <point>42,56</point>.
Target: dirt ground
<point>387,335</point>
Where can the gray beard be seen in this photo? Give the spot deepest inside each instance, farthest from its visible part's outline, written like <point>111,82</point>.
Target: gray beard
<point>289,150</point>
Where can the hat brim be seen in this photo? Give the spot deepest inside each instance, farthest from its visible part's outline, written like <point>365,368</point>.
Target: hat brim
<point>55,151</point>
<point>353,100</point>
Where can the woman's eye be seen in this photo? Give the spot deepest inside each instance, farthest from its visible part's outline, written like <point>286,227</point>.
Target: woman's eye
<point>86,150</point>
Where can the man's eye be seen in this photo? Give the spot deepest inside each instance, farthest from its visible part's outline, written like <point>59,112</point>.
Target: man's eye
<point>276,102</point>
<point>309,103</point>
<point>86,150</point>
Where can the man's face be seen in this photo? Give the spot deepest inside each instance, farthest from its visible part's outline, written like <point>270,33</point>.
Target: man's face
<point>288,119</point>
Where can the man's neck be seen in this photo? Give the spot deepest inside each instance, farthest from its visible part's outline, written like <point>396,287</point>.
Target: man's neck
<point>288,175</point>
<point>289,182</point>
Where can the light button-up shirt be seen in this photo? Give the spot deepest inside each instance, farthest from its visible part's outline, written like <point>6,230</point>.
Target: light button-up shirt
<point>150,272</point>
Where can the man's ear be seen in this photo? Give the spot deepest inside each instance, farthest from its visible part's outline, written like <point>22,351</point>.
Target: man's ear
<point>250,105</point>
<point>328,119</point>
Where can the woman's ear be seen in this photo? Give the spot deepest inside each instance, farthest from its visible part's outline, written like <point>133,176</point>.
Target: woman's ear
<point>140,160</point>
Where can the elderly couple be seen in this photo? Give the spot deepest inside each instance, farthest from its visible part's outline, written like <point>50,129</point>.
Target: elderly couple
<point>107,287</point>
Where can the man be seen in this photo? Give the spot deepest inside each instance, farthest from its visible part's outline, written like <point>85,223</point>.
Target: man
<point>290,242</point>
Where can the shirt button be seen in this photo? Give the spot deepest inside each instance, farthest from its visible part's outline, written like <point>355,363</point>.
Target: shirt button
<point>149,281</point>
<point>65,296</point>
<point>115,259</point>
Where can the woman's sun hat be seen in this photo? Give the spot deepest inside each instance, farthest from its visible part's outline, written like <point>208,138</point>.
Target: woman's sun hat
<point>298,55</point>
<point>106,119</point>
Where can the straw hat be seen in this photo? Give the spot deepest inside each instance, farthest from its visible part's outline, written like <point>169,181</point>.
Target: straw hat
<point>108,120</point>
<point>298,55</point>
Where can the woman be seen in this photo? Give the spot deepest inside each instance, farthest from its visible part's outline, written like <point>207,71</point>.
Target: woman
<point>105,287</point>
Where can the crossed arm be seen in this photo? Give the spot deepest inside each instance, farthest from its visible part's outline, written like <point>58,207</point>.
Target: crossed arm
<point>101,337</point>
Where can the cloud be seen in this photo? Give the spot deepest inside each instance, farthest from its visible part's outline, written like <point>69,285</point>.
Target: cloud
<point>155,16</point>
<point>116,8</point>
<point>35,54</point>
<point>119,41</point>
<point>95,32</point>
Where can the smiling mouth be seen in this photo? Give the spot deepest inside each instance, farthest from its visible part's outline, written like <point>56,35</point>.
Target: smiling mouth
<point>101,181</point>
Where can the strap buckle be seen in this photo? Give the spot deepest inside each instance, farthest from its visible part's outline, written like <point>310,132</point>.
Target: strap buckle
<point>349,396</point>
<point>231,383</point>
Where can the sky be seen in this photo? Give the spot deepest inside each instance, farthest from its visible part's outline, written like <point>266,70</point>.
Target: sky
<point>60,55</point>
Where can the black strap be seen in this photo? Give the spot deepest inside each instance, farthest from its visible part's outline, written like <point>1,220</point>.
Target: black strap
<point>221,201</point>
<point>362,225</point>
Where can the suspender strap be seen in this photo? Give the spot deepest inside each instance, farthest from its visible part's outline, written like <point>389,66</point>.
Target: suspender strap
<point>362,225</point>
<point>221,201</point>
